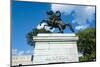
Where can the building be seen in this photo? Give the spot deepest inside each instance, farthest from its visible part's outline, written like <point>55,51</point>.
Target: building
<point>21,60</point>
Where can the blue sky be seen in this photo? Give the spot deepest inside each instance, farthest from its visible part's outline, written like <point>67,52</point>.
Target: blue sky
<point>27,15</point>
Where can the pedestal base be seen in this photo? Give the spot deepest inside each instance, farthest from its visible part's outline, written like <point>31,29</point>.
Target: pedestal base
<point>55,48</point>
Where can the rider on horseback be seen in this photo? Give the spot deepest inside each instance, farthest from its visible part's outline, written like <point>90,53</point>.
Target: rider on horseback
<point>53,18</point>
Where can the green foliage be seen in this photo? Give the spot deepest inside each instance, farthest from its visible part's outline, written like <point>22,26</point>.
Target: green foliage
<point>89,57</point>
<point>87,44</point>
<point>33,33</point>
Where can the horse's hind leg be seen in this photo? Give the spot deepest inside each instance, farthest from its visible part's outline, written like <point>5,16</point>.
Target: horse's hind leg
<point>60,28</point>
<point>70,27</point>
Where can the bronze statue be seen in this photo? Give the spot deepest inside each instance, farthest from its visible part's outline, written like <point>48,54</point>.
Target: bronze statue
<point>55,21</point>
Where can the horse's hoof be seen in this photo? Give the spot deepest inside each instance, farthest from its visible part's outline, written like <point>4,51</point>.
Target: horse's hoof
<point>62,32</point>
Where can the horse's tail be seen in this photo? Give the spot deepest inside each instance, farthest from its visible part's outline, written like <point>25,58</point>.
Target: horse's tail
<point>69,25</point>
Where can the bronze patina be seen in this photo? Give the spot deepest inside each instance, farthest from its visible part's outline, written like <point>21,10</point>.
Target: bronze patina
<point>54,21</point>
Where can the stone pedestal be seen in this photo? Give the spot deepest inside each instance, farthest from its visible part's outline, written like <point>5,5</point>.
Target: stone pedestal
<point>55,48</point>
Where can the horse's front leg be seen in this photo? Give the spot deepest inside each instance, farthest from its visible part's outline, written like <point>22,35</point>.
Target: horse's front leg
<point>43,22</point>
<point>45,27</point>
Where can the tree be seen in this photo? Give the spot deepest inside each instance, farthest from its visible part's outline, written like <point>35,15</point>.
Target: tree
<point>33,33</point>
<point>87,44</point>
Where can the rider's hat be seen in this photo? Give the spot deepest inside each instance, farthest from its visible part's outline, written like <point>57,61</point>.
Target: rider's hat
<point>58,13</point>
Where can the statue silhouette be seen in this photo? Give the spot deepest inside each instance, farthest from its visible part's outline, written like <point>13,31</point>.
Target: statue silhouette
<point>55,21</point>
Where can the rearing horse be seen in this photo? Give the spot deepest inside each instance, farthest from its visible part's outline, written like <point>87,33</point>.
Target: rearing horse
<point>58,24</point>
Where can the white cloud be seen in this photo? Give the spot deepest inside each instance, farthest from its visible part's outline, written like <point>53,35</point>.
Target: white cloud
<point>82,13</point>
<point>65,9</point>
<point>14,51</point>
<point>20,53</point>
<point>28,52</point>
<point>43,25</point>
<point>81,27</point>
<point>48,28</point>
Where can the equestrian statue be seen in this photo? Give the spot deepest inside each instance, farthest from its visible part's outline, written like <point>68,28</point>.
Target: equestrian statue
<point>54,21</point>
